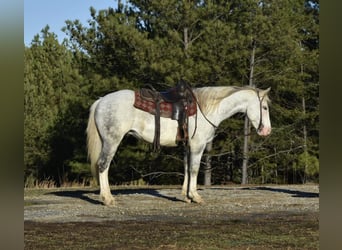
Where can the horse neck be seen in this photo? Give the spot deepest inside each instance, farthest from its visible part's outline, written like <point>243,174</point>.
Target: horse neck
<point>235,103</point>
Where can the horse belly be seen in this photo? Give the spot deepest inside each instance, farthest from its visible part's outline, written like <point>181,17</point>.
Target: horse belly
<point>144,124</point>
<point>168,132</point>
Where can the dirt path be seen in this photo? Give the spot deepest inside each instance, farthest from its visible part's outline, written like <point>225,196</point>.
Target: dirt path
<point>75,205</point>
<point>290,210</point>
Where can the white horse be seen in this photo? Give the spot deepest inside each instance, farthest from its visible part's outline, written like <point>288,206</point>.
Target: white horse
<point>113,116</point>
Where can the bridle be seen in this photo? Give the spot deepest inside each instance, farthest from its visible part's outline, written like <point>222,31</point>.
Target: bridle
<point>261,125</point>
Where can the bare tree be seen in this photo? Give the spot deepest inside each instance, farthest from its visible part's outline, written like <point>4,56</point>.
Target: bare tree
<point>247,126</point>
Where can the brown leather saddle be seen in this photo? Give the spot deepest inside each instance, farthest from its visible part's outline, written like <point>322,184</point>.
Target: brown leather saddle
<point>177,103</point>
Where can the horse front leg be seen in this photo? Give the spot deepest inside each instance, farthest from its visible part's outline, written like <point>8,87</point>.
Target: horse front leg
<point>191,167</point>
<point>192,192</point>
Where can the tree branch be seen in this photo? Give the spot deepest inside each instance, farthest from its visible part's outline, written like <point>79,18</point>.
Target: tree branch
<point>272,155</point>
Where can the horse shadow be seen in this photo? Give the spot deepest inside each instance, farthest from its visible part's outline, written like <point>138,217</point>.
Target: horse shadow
<point>294,193</point>
<point>85,194</point>
<point>78,194</point>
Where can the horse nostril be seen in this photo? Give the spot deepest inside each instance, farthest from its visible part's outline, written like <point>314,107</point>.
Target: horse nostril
<point>261,127</point>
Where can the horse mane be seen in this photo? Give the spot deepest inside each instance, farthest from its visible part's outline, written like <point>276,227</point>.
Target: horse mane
<point>209,98</point>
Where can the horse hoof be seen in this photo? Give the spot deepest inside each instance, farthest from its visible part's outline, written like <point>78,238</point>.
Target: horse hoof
<point>183,193</point>
<point>187,200</point>
<point>108,202</point>
<point>198,200</point>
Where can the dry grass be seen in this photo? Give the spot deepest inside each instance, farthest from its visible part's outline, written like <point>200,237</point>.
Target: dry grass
<point>32,183</point>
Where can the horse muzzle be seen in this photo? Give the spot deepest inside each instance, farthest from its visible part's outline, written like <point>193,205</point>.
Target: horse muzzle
<point>264,131</point>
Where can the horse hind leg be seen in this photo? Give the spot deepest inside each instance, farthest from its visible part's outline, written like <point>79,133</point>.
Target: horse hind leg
<point>106,156</point>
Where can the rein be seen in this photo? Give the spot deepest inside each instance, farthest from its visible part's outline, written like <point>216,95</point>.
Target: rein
<point>199,106</point>
<point>212,124</point>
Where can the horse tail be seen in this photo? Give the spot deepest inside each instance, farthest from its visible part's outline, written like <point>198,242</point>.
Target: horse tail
<point>94,143</point>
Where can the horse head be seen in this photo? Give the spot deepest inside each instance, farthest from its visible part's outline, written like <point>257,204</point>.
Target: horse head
<point>258,112</point>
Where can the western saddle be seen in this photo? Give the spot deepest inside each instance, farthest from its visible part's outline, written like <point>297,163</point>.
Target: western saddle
<point>177,103</point>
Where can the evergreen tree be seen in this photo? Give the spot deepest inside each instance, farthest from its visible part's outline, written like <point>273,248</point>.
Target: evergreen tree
<point>55,113</point>
<point>159,42</point>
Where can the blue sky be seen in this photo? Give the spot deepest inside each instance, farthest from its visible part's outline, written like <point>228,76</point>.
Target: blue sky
<point>39,13</point>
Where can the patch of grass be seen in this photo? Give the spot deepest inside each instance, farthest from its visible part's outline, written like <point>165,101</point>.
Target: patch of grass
<point>285,231</point>
<point>31,183</point>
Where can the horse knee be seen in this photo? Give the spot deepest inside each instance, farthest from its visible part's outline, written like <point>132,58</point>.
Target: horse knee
<point>103,164</point>
<point>194,172</point>
<point>105,159</point>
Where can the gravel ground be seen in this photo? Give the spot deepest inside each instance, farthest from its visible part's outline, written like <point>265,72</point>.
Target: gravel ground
<point>166,203</point>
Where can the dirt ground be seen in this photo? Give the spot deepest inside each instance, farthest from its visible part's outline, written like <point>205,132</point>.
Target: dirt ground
<point>233,217</point>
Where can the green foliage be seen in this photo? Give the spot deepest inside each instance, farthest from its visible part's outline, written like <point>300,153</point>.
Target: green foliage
<point>159,42</point>
<point>308,165</point>
<point>55,102</point>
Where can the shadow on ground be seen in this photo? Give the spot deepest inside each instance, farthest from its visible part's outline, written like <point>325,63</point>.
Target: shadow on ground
<point>294,193</point>
<point>84,194</point>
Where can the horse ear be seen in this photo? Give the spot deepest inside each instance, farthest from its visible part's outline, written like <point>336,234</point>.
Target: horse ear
<point>265,92</point>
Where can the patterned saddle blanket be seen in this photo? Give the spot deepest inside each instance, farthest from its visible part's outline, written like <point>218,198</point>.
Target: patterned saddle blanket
<point>146,100</point>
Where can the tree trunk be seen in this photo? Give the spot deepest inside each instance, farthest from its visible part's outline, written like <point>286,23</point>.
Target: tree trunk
<point>304,131</point>
<point>186,41</point>
<point>247,127</point>
<point>305,142</point>
<point>245,151</point>
<point>207,167</point>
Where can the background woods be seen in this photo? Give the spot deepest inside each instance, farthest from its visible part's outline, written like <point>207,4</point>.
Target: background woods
<point>266,43</point>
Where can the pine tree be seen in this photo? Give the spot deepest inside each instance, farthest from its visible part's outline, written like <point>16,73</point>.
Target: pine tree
<point>159,42</point>
<point>55,109</point>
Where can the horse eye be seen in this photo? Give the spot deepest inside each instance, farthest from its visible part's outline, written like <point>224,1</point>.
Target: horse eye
<point>264,107</point>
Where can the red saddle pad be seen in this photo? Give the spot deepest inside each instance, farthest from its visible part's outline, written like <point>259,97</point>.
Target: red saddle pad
<point>165,107</point>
